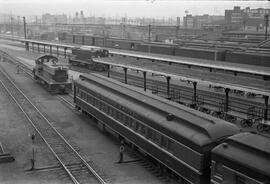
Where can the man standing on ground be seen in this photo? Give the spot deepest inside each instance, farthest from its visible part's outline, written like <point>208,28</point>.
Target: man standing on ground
<point>121,151</point>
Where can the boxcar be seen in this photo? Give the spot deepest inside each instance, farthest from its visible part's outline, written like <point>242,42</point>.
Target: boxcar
<point>69,38</point>
<point>88,40</point>
<point>122,44</point>
<point>158,48</point>
<point>78,39</point>
<point>200,53</point>
<point>243,159</point>
<point>248,58</point>
<point>98,41</point>
<point>176,136</point>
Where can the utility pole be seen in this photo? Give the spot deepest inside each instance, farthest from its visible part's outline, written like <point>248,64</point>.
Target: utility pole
<point>177,27</point>
<point>176,32</point>
<point>149,32</point>
<point>25,36</point>
<point>11,26</point>
<point>24,27</point>
<point>266,18</point>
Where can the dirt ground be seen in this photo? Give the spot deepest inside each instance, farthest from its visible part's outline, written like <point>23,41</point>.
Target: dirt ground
<point>15,138</point>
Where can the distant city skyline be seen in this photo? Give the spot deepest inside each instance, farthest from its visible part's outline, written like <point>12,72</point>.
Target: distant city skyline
<point>122,8</point>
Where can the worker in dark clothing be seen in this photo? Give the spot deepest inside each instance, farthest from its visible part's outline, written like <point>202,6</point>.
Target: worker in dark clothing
<point>121,152</point>
<point>18,69</point>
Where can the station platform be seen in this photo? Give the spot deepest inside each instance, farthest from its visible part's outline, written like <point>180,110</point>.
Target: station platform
<point>195,62</point>
<point>254,85</point>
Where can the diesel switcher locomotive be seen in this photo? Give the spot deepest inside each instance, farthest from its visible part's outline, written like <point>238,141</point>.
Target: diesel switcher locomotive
<point>51,74</point>
<point>82,56</point>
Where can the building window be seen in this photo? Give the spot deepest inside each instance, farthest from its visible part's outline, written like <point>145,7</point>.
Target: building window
<point>142,129</point>
<point>157,138</point>
<point>133,124</point>
<point>126,122</point>
<point>170,146</point>
<point>164,142</point>
<point>150,133</point>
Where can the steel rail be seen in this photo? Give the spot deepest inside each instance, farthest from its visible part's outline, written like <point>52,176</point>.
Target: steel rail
<point>32,123</point>
<point>68,170</point>
<point>66,101</point>
<point>29,72</point>
<point>167,58</point>
<point>151,84</point>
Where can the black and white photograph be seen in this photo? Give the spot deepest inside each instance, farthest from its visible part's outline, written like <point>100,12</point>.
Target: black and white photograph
<point>134,92</point>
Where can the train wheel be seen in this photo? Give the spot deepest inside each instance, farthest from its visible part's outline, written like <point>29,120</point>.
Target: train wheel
<point>260,127</point>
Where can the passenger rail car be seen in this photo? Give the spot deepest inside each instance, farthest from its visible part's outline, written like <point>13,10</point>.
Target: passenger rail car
<point>242,158</point>
<point>176,136</point>
<point>51,74</point>
<point>82,56</point>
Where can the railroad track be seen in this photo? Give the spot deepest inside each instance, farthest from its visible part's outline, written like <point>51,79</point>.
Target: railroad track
<point>76,165</point>
<point>182,94</point>
<point>71,161</point>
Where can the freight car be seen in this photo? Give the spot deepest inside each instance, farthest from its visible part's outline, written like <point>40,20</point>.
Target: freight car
<point>179,138</point>
<point>82,56</point>
<point>52,75</point>
<point>223,52</point>
<point>122,44</point>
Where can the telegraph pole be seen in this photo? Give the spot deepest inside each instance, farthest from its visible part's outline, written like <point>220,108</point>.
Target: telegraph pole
<point>24,27</point>
<point>149,32</point>
<point>266,18</point>
<point>176,32</point>
<point>25,36</point>
<point>11,26</point>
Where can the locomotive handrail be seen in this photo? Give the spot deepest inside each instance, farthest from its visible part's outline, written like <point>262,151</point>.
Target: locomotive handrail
<point>41,59</point>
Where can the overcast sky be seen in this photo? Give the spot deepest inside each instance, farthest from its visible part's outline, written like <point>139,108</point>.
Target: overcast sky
<point>120,8</point>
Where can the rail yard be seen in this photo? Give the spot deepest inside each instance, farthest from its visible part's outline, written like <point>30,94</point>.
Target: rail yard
<point>208,100</point>
<point>86,107</point>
